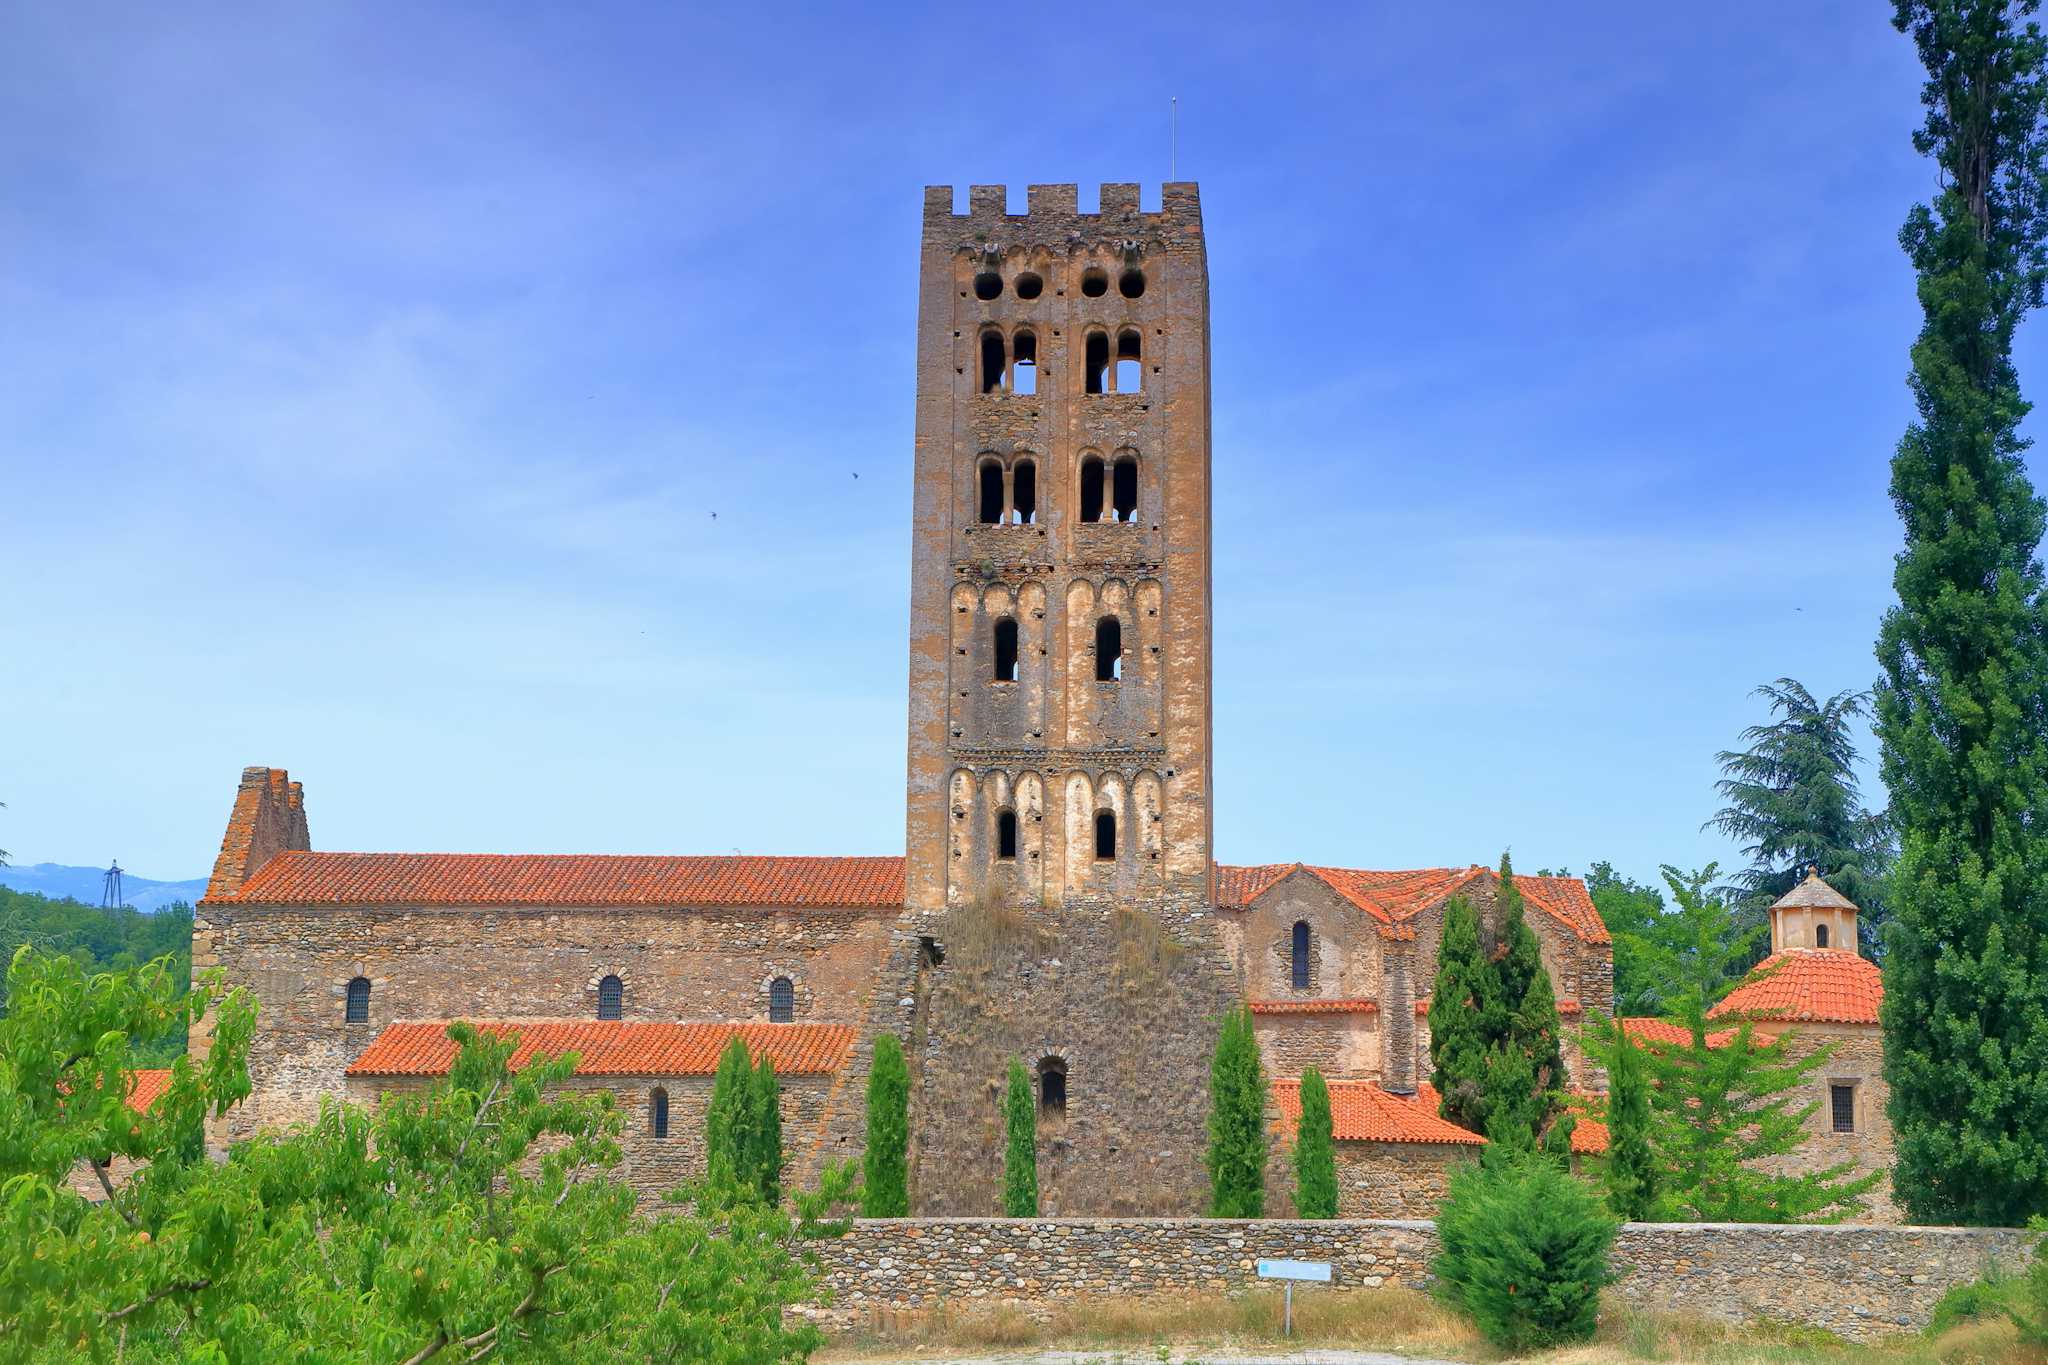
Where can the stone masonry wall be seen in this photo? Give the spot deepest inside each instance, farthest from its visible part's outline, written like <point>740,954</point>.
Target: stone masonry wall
<point>707,965</point>
<point>1374,1179</point>
<point>1857,1061</point>
<point>1857,1281</point>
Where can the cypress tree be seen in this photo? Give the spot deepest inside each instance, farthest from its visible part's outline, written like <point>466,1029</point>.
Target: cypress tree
<point>767,1161</point>
<point>731,1134</point>
<point>1020,1154</point>
<point>1630,1171</point>
<point>1962,707</point>
<point>1315,1153</point>
<point>1525,1075</point>
<point>1237,1122</point>
<point>885,1173</point>
<point>1457,1042</point>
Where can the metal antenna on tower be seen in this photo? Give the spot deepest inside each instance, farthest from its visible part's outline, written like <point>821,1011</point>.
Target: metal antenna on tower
<point>1173,145</point>
<point>110,888</point>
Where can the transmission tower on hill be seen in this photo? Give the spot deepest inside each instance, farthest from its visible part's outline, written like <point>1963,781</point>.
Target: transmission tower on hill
<point>110,888</point>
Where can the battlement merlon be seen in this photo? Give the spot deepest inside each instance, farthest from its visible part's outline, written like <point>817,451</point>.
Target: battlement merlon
<point>1053,220</point>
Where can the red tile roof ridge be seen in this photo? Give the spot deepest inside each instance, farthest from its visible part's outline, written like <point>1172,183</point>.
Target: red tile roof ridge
<point>1364,1111</point>
<point>613,1047</point>
<point>1807,985</point>
<point>1356,1005</point>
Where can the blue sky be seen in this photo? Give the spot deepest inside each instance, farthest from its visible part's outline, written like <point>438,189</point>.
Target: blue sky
<point>369,375</point>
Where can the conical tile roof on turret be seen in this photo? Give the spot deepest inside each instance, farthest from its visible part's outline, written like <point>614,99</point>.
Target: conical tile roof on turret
<point>1813,894</point>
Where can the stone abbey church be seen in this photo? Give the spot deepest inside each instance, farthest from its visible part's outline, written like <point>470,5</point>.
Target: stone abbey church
<point>1057,899</point>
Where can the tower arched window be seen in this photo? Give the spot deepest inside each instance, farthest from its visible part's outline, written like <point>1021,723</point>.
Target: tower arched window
<point>988,492</point>
<point>1109,650</point>
<point>1124,488</point>
<point>781,1000</point>
<point>1024,492</point>
<point>1130,361</point>
<point>993,361</point>
<point>1006,649</point>
<point>1820,936</point>
<point>1091,488</point>
<point>1052,1086</point>
<point>1006,834</point>
<point>1300,955</point>
<point>1095,363</point>
<point>611,998</point>
<point>657,1112</point>
<point>358,1001</point>
<point>1105,836</point>
<point>1024,364</point>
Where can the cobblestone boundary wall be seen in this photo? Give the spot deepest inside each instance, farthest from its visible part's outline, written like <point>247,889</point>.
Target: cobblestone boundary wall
<point>1857,1281</point>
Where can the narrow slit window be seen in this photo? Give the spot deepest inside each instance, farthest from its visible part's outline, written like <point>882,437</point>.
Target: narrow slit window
<point>657,1112</point>
<point>611,998</point>
<point>1052,1086</point>
<point>1109,650</point>
<point>781,1000</point>
<point>1105,836</point>
<point>1095,363</point>
<point>1006,649</point>
<point>1024,378</point>
<point>1300,975</point>
<point>989,497</point>
<point>1820,936</point>
<point>993,362</point>
<point>1024,492</point>
<point>1091,488</point>
<point>1124,493</point>
<point>359,1001</point>
<point>1130,363</point>
<point>1006,834</point>
<point>1842,1100</point>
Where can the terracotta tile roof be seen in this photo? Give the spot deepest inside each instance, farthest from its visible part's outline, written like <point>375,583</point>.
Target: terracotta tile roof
<point>1589,1134</point>
<point>1813,893</point>
<point>1648,1030</point>
<point>1362,1112</point>
<point>1392,898</point>
<point>1359,1006</point>
<point>1807,985</point>
<point>299,878</point>
<point>613,1047</point>
<point>146,1087</point>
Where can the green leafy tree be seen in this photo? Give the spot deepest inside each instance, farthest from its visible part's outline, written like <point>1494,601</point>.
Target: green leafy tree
<point>732,1123</point>
<point>1524,1250</point>
<point>1794,803</point>
<point>1701,942</point>
<point>1315,1152</point>
<point>1629,1170</point>
<point>1020,1155</point>
<point>1237,1121</point>
<point>1457,1037</point>
<point>479,1219</point>
<point>1960,713</point>
<point>885,1184</point>
<point>1633,913</point>
<point>101,939</point>
<point>767,1164</point>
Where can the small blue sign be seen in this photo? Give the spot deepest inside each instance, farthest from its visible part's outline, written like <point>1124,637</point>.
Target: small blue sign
<point>1295,1270</point>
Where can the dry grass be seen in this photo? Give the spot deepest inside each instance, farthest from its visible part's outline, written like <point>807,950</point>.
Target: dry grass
<point>1398,1320</point>
<point>1145,952</point>
<point>986,930</point>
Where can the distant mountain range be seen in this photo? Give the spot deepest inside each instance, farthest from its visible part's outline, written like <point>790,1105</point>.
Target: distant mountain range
<point>87,883</point>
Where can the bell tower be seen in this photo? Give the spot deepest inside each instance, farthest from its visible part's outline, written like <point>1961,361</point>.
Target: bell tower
<point>1059,640</point>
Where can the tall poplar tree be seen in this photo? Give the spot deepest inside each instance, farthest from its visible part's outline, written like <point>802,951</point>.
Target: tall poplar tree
<point>1962,707</point>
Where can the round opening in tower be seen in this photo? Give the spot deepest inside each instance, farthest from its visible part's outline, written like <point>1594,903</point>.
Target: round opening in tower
<point>1094,283</point>
<point>1131,284</point>
<point>1029,286</point>
<point>987,285</point>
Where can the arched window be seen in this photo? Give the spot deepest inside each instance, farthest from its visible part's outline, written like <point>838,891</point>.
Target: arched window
<point>1109,650</point>
<point>1024,492</point>
<point>1131,284</point>
<point>1130,363</point>
<point>1052,1086</point>
<point>781,1000</point>
<point>1094,282</point>
<point>993,361</point>
<point>1006,649</point>
<point>1091,488</point>
<point>359,1001</point>
<point>611,998</point>
<point>1024,377</point>
<point>1301,955</point>
<point>1820,936</point>
<point>1105,835</point>
<point>988,501</point>
<point>1006,834</point>
<point>1124,488</point>
<point>657,1112</point>
<point>1095,364</point>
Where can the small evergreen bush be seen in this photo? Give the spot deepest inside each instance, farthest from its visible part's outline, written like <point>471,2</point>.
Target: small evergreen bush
<point>1524,1250</point>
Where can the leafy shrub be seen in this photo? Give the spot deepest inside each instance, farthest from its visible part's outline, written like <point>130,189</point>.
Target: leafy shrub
<point>1972,1302</point>
<point>1524,1251</point>
<point>2027,1304</point>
